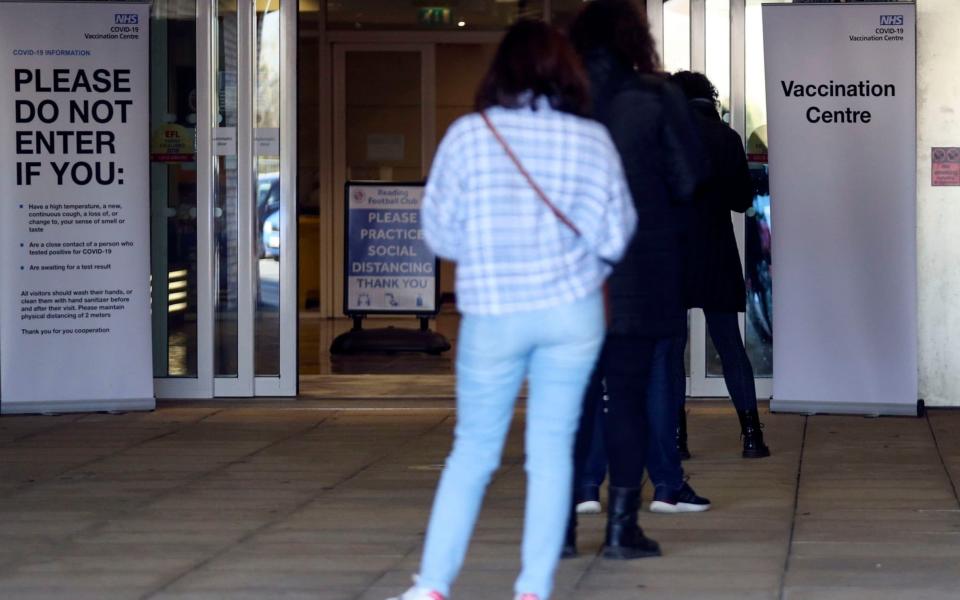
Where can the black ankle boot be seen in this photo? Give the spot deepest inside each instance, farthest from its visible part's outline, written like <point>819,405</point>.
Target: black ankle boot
<point>625,539</point>
<point>752,434</point>
<point>570,538</point>
<point>682,435</point>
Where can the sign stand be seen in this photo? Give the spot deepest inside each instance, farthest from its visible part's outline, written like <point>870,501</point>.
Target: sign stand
<point>389,270</point>
<point>390,339</point>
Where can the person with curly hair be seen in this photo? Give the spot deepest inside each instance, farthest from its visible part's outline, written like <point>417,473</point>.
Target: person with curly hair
<point>714,273</point>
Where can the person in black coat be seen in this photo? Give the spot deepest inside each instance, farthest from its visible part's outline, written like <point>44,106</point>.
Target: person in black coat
<point>653,130</point>
<point>714,273</point>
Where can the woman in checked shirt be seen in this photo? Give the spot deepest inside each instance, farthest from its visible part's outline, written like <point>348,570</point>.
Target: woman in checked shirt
<point>528,197</point>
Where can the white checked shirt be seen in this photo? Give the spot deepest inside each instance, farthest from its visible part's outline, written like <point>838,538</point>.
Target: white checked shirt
<point>512,252</point>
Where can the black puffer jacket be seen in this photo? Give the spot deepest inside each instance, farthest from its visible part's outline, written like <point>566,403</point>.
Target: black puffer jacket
<point>714,272</point>
<point>652,127</point>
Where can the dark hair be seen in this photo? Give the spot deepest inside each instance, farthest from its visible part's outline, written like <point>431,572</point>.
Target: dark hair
<point>619,26</point>
<point>534,57</point>
<point>695,85</point>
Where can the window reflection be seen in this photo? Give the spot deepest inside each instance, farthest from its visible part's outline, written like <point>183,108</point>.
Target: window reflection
<point>267,189</point>
<point>173,194</point>
<point>757,256</point>
<point>226,193</point>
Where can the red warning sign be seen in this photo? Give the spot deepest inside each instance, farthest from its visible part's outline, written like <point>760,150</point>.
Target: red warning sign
<point>946,167</point>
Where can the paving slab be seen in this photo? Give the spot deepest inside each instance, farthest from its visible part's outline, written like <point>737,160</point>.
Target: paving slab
<point>328,499</point>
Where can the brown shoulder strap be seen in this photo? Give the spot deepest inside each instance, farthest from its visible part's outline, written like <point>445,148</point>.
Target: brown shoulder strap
<point>533,184</point>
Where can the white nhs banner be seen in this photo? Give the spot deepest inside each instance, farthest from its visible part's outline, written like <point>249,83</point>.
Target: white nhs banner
<point>841,101</point>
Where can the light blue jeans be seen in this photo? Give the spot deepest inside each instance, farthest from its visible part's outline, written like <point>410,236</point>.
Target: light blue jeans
<point>556,349</point>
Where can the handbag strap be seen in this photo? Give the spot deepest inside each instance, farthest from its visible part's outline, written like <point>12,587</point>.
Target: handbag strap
<point>526,175</point>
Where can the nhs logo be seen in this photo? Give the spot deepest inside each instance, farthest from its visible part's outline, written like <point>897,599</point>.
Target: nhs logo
<point>125,19</point>
<point>891,20</point>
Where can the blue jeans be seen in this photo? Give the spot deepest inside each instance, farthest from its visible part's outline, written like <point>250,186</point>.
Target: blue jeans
<point>556,349</point>
<point>587,484</point>
<point>666,394</point>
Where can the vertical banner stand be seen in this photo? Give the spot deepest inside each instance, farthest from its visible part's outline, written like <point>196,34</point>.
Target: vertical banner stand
<point>75,207</point>
<point>841,102</point>
<point>388,270</point>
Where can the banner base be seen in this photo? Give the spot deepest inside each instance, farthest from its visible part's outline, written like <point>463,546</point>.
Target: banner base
<point>390,339</point>
<point>866,409</point>
<point>75,406</point>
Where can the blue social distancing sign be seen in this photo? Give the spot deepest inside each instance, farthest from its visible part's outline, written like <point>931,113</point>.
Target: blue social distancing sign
<point>388,266</point>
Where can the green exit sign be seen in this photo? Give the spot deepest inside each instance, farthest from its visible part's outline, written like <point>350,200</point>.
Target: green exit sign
<point>433,15</point>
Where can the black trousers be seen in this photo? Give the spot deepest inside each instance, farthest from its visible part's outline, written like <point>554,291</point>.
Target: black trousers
<point>640,421</point>
<point>724,328</point>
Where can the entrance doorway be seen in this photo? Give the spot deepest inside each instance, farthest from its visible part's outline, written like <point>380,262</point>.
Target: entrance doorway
<point>223,180</point>
<point>392,98</point>
<point>395,85</point>
<point>248,240</point>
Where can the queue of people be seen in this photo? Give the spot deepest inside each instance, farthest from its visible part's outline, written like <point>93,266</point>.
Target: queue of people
<point>569,200</point>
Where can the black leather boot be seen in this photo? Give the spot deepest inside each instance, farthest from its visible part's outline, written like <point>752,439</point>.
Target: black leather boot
<point>570,539</point>
<point>752,434</point>
<point>625,539</point>
<point>682,434</point>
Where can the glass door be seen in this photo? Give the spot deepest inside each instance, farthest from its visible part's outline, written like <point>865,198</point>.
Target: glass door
<point>181,219</point>
<point>758,265</point>
<point>224,222</point>
<point>721,38</point>
<point>273,196</point>
<point>230,126</point>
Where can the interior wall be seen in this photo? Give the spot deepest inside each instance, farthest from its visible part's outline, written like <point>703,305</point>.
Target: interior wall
<point>460,67</point>
<point>383,103</point>
<point>938,213</point>
<point>308,158</point>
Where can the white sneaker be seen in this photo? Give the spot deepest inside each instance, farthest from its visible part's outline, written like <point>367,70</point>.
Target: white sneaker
<point>590,507</point>
<point>419,593</point>
<point>526,597</point>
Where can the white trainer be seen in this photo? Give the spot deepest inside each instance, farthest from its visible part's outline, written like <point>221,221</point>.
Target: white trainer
<point>419,593</point>
<point>590,507</point>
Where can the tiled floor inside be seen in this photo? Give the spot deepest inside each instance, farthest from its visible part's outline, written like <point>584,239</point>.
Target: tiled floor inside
<point>327,500</point>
